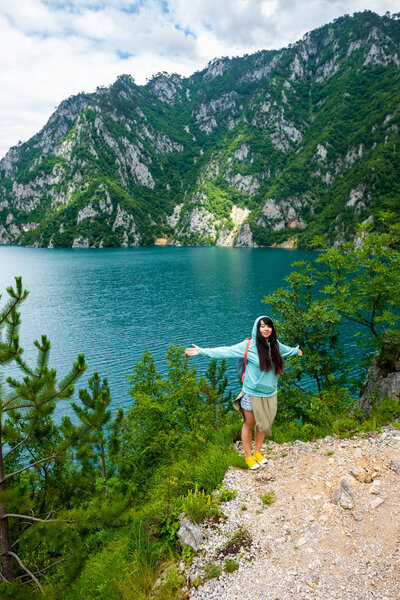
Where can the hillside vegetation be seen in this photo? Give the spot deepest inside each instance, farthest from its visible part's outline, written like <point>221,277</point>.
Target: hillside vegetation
<point>263,149</point>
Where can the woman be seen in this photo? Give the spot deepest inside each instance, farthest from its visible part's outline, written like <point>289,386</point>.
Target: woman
<point>258,399</point>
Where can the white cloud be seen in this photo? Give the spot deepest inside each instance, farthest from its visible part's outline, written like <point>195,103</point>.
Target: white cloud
<point>51,49</point>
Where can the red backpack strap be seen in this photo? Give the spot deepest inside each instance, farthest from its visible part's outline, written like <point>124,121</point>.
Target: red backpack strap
<point>245,357</point>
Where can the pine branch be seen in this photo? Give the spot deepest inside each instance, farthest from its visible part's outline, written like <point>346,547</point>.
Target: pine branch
<point>78,368</point>
<point>21,564</point>
<point>15,447</point>
<point>33,405</point>
<point>3,578</point>
<point>29,467</point>
<point>9,308</point>
<point>80,434</point>
<point>24,367</point>
<point>52,564</point>
<point>36,519</point>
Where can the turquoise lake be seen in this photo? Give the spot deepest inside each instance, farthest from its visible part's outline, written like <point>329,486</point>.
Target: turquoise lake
<point>112,304</point>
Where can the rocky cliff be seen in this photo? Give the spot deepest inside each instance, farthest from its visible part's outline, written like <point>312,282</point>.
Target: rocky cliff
<point>269,148</point>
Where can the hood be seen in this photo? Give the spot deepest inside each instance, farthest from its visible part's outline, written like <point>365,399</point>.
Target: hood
<point>254,332</point>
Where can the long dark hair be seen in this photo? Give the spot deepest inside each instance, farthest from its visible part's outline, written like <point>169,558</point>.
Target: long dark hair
<point>268,351</point>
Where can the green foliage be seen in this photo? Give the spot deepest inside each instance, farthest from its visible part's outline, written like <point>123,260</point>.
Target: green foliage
<point>224,494</point>
<point>212,571</point>
<point>268,498</point>
<point>31,448</point>
<point>197,504</point>
<point>362,284</point>
<point>231,565</point>
<point>314,324</point>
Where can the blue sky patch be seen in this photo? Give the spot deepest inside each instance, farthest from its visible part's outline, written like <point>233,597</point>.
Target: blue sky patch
<point>186,31</point>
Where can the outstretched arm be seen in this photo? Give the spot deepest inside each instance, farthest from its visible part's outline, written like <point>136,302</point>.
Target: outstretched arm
<point>236,351</point>
<point>289,351</point>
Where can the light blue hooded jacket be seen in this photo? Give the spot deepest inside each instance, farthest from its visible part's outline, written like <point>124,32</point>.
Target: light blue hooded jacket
<point>256,382</point>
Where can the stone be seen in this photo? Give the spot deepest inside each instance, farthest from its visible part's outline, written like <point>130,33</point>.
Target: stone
<point>364,475</point>
<point>189,534</point>
<point>357,516</point>
<point>376,501</point>
<point>344,495</point>
<point>395,466</point>
<point>245,237</point>
<point>375,487</point>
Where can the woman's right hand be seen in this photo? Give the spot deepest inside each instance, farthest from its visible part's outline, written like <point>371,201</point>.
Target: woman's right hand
<point>192,351</point>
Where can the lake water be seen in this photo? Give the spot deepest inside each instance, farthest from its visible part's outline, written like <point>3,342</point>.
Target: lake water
<point>112,304</point>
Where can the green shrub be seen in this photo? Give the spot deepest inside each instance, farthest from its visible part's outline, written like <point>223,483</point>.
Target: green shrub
<point>212,571</point>
<point>268,498</point>
<point>231,565</point>
<point>224,494</point>
<point>197,504</point>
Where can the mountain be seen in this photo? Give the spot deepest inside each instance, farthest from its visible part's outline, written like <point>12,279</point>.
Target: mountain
<point>268,148</point>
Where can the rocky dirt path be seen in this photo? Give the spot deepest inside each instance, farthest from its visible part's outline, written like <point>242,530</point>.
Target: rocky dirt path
<point>333,531</point>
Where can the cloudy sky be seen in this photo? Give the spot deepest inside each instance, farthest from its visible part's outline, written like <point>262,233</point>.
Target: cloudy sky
<point>51,49</point>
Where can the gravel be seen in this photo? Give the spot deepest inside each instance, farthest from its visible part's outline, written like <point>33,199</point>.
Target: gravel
<point>332,533</point>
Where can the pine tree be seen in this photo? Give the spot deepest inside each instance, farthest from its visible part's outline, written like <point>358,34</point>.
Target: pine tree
<point>25,406</point>
<point>96,420</point>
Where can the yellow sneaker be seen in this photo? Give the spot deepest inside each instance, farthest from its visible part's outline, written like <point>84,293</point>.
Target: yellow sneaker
<point>252,463</point>
<point>260,458</point>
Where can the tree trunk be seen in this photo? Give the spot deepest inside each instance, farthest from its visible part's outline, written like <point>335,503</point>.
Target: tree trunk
<point>5,545</point>
<point>103,460</point>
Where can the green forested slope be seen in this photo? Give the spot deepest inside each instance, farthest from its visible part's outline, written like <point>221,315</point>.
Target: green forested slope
<point>256,150</point>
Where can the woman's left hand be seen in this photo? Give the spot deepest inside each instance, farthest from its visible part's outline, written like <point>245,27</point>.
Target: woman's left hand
<point>300,351</point>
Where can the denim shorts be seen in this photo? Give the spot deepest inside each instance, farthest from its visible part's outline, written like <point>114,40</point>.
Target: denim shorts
<point>245,402</point>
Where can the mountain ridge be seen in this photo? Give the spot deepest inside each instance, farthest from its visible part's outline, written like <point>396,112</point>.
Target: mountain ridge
<point>264,149</point>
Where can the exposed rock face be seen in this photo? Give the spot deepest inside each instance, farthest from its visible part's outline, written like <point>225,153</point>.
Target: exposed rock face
<point>78,242</point>
<point>86,213</point>
<point>242,152</point>
<point>243,183</point>
<point>285,213</point>
<point>380,383</point>
<point>125,221</point>
<point>226,235</point>
<point>200,221</point>
<point>245,237</point>
<point>173,219</point>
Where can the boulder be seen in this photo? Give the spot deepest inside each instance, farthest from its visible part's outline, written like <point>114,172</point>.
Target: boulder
<point>189,534</point>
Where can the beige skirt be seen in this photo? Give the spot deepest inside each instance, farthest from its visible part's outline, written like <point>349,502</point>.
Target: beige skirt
<point>264,408</point>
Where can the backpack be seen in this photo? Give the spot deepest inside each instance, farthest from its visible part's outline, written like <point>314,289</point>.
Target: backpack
<point>241,362</point>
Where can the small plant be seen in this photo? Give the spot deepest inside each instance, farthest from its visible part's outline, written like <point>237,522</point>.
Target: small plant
<point>188,554</point>
<point>224,494</point>
<point>329,453</point>
<point>171,526</point>
<point>283,454</point>
<point>396,425</point>
<point>240,539</point>
<point>212,571</point>
<point>171,584</point>
<point>197,504</point>
<point>231,565</point>
<point>268,498</point>
<point>244,507</point>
